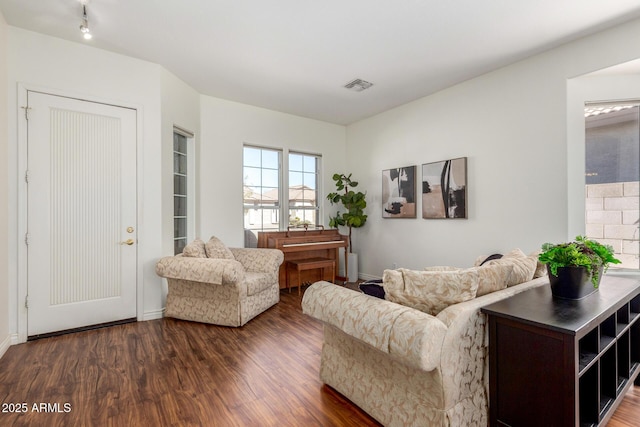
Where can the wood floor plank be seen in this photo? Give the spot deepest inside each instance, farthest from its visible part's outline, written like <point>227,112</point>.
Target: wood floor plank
<point>174,373</point>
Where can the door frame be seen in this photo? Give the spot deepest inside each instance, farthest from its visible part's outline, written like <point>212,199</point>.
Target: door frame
<point>20,312</point>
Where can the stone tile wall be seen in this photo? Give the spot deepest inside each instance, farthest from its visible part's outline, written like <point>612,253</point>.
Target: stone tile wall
<point>613,217</point>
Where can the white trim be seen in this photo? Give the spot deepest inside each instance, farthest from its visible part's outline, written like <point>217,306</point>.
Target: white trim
<point>153,315</point>
<point>191,180</point>
<point>18,310</point>
<point>5,344</point>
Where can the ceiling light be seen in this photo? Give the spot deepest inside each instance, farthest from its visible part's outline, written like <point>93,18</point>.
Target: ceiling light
<point>358,85</point>
<point>84,25</point>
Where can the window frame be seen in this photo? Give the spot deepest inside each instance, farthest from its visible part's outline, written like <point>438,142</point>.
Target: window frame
<point>318,178</point>
<point>189,195</point>
<point>594,227</point>
<point>284,207</point>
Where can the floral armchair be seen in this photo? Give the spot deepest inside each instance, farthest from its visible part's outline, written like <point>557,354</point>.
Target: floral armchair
<point>223,286</point>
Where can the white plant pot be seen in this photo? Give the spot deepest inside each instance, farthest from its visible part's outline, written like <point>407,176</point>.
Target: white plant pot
<point>353,267</point>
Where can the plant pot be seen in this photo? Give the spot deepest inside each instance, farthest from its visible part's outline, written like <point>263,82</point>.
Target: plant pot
<point>352,274</point>
<point>572,282</point>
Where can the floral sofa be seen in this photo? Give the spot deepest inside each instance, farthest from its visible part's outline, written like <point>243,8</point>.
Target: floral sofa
<point>407,367</point>
<point>211,283</point>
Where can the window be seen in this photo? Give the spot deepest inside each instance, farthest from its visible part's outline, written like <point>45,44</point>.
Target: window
<point>183,185</point>
<point>261,187</point>
<point>263,191</point>
<point>612,178</point>
<point>303,189</point>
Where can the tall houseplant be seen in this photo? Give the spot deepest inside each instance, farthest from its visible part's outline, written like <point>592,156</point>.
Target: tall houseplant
<point>354,204</point>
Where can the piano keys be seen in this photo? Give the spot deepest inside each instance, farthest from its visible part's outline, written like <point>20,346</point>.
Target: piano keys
<point>297,245</point>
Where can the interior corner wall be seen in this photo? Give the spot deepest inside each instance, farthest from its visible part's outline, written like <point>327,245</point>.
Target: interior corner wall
<point>181,108</point>
<point>38,61</point>
<point>225,127</point>
<point>4,193</point>
<point>511,124</point>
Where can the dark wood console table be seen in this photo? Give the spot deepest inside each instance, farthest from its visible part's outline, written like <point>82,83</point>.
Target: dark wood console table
<point>555,362</point>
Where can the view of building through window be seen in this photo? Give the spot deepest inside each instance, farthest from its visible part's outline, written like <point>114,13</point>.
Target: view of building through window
<point>612,177</point>
<point>261,188</point>
<point>303,190</point>
<point>267,207</point>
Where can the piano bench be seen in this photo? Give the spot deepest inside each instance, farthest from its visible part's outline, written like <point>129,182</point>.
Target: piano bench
<point>300,265</point>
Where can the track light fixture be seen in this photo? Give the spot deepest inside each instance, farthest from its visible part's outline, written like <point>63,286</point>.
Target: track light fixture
<point>84,25</point>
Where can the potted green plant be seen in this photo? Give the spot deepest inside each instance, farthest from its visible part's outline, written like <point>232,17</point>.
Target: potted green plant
<point>353,217</point>
<point>572,265</point>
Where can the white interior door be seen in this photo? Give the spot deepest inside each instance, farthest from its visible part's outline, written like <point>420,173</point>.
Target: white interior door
<point>81,213</point>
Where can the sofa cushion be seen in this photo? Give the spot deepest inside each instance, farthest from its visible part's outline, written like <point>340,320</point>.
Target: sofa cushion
<point>216,249</point>
<point>195,249</point>
<point>541,269</point>
<point>493,278</point>
<point>392,280</point>
<point>258,282</point>
<point>482,259</point>
<point>523,266</point>
<point>432,291</point>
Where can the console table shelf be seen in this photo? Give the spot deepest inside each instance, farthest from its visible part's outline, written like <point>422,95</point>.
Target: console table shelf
<point>556,362</point>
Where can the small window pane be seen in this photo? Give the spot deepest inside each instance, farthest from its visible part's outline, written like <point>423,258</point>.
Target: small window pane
<point>178,245</point>
<point>180,184</point>
<point>180,163</point>
<point>252,176</point>
<point>310,180</point>
<point>295,162</point>
<point>179,206</point>
<point>180,227</point>
<point>270,159</point>
<point>295,179</point>
<point>252,157</point>
<point>179,143</point>
<point>270,177</point>
<point>310,164</point>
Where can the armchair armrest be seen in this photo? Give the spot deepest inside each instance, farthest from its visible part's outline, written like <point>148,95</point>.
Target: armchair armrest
<point>410,336</point>
<point>260,260</point>
<point>204,270</point>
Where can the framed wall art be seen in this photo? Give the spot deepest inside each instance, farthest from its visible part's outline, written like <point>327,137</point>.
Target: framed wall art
<point>444,189</point>
<point>399,192</point>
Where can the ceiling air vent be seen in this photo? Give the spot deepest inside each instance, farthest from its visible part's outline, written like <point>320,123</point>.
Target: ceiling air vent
<point>358,85</point>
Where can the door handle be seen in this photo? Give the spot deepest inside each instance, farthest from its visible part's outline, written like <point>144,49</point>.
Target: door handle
<point>128,242</point>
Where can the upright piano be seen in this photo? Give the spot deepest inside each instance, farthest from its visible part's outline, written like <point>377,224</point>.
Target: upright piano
<point>301,244</point>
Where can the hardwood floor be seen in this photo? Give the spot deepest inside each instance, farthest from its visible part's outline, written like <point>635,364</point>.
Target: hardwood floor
<point>175,373</point>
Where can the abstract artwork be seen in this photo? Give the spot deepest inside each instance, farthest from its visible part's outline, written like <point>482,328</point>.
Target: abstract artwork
<point>444,189</point>
<point>399,192</point>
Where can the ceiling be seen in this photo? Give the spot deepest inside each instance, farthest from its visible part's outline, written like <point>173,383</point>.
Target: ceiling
<point>295,56</point>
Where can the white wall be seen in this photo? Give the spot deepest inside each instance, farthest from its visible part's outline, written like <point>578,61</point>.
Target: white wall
<point>181,108</point>
<point>4,241</point>
<point>49,63</point>
<point>225,127</point>
<point>512,126</point>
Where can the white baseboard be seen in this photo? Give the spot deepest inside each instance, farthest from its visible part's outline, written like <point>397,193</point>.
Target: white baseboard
<point>153,314</point>
<point>5,344</point>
